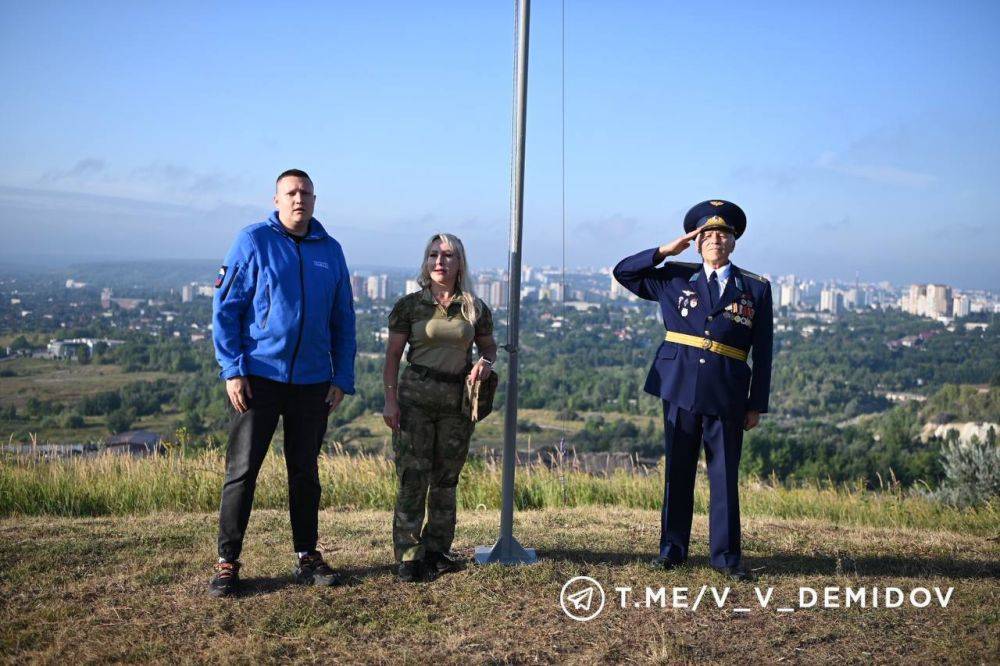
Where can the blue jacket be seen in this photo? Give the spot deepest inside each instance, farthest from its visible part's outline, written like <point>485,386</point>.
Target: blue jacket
<point>283,310</point>
<point>695,379</point>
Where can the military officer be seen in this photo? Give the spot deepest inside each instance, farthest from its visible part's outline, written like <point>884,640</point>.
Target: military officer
<point>717,316</point>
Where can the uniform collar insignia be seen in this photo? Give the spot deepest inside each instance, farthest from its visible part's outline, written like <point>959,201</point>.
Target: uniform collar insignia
<point>737,276</point>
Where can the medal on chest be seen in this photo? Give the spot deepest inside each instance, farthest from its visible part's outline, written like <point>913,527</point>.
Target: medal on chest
<point>687,301</point>
<point>741,311</point>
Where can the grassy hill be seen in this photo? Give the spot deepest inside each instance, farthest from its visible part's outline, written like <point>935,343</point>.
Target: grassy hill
<point>67,383</point>
<point>131,588</point>
<point>106,559</point>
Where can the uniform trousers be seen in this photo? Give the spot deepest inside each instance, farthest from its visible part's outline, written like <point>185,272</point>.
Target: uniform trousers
<point>684,433</point>
<point>304,411</point>
<point>430,450</point>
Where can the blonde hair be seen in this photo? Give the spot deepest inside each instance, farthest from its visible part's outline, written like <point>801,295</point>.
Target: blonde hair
<point>463,281</point>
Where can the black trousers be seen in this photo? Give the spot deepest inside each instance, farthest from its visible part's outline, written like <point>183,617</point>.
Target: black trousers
<point>304,410</point>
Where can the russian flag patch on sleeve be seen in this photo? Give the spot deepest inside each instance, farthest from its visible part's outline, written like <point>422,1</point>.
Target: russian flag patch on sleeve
<point>221,276</point>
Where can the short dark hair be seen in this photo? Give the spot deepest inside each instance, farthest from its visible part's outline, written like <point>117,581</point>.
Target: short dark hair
<point>293,173</point>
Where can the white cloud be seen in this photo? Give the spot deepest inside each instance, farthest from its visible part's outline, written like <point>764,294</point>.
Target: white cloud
<point>876,173</point>
<point>154,182</point>
<point>86,169</point>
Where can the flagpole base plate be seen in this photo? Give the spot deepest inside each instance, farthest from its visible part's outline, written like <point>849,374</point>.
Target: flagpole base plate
<point>509,552</point>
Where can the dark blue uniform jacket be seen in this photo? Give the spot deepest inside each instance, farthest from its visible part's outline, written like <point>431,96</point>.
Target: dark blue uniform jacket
<point>695,379</point>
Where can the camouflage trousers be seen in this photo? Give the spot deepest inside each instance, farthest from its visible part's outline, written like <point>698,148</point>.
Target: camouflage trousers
<point>430,450</point>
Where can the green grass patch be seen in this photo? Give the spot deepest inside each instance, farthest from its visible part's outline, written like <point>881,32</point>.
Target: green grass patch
<point>65,381</point>
<point>115,485</point>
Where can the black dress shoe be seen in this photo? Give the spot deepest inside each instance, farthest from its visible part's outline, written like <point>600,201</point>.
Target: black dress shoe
<point>665,563</point>
<point>410,571</point>
<point>737,573</point>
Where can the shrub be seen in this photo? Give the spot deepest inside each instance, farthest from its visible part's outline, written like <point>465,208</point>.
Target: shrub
<point>972,471</point>
<point>120,420</point>
<point>74,421</point>
<point>104,402</point>
<point>528,426</point>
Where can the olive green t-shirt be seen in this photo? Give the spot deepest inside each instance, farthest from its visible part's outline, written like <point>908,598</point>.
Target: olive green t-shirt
<point>439,339</point>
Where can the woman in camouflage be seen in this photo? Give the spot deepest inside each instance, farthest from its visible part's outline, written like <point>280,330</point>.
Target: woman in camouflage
<point>424,407</point>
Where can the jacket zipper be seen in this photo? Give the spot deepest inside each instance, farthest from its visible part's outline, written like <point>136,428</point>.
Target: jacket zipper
<point>267,314</point>
<point>302,316</point>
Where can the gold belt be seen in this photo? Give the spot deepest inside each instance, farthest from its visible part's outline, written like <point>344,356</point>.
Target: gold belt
<point>705,343</point>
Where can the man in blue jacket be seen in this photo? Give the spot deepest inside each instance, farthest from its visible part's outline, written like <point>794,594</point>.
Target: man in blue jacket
<point>717,316</point>
<point>283,328</point>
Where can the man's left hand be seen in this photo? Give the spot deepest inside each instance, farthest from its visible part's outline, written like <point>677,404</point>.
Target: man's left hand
<point>751,420</point>
<point>333,398</point>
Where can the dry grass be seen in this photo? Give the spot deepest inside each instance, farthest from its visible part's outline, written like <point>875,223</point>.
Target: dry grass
<point>132,589</point>
<point>113,485</point>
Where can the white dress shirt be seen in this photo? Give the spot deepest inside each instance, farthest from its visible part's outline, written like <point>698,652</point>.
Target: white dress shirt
<point>722,275</point>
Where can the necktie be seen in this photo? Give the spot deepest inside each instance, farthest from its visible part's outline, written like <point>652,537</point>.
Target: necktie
<point>713,289</point>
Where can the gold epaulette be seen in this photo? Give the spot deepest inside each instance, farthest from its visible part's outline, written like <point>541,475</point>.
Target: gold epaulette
<point>759,278</point>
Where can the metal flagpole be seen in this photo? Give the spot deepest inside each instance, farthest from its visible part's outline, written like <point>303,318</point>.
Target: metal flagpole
<point>507,550</point>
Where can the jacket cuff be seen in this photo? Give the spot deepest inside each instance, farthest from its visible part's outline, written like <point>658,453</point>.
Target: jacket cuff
<point>237,369</point>
<point>344,385</point>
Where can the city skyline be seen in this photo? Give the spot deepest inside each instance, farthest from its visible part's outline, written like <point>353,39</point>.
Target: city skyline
<point>407,274</point>
<point>791,295</point>
<point>836,129</point>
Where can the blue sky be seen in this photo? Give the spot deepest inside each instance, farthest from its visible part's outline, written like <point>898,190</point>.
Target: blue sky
<point>859,137</point>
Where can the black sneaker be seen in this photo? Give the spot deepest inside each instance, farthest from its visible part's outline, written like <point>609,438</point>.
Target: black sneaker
<point>312,570</point>
<point>226,579</point>
<point>410,571</point>
<point>442,562</point>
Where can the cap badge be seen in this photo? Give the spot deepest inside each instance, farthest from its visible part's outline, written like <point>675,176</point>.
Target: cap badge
<point>716,203</point>
<point>714,221</point>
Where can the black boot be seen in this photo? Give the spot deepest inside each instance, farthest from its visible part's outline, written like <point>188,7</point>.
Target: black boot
<point>410,571</point>
<point>442,562</point>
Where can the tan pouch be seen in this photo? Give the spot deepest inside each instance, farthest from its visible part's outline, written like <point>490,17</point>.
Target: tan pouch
<point>477,398</point>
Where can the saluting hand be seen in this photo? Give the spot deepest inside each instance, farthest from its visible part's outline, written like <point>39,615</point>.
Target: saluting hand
<point>676,246</point>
